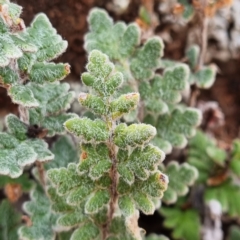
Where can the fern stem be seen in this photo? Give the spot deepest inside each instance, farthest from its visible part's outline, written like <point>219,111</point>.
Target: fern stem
<point>24,114</point>
<point>113,189</point>
<point>204,36</point>
<point>41,172</point>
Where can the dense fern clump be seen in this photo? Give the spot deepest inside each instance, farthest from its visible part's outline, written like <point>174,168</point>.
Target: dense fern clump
<point>118,170</point>
<point>89,176</point>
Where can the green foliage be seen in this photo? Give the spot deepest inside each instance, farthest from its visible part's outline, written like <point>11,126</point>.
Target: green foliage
<point>234,233</point>
<point>121,42</point>
<point>97,201</point>
<point>33,48</point>
<point>42,219</point>
<point>192,54</point>
<point>44,36</point>
<point>182,176</point>
<point>13,11</point>
<point>173,129</point>
<point>121,228</point>
<point>203,77</point>
<point>64,235</point>
<point>205,156</point>
<point>74,216</point>
<point>81,192</point>
<point>64,153</point>
<point>8,76</point>
<point>156,237</point>
<point>49,46</point>
<point>126,135</point>
<point>161,91</point>
<point>147,58</point>
<point>116,40</point>
<point>48,72</point>
<point>86,232</point>
<point>144,15</point>
<point>22,95</point>
<point>9,50</point>
<point>211,163</point>
<point>129,162</point>
<point>54,100</point>
<point>142,193</point>
<point>124,104</point>
<point>17,151</point>
<point>88,129</point>
<point>24,181</point>
<point>188,9</point>
<point>72,213</point>
<point>227,194</point>
<point>9,221</point>
<point>185,223</point>
<point>99,194</point>
<point>95,160</point>
<point>27,74</point>
<point>16,127</point>
<point>98,76</point>
<point>12,160</point>
<point>235,160</point>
